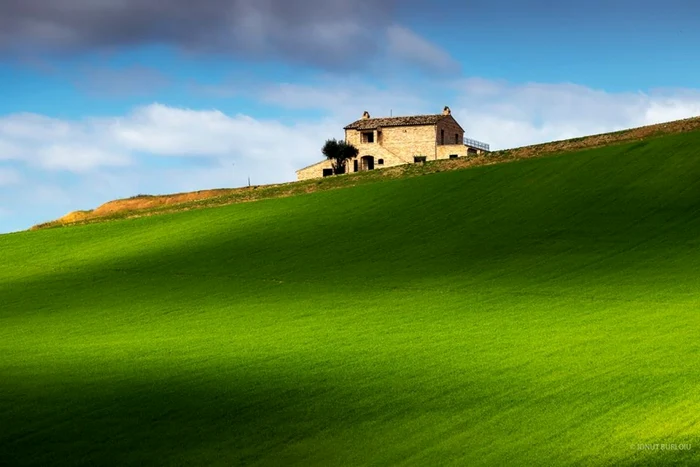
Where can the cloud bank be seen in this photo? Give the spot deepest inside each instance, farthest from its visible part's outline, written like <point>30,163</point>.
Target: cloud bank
<point>50,166</point>
<point>156,130</point>
<point>329,33</point>
<point>510,115</point>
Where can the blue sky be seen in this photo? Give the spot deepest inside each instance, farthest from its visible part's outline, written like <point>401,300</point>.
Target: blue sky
<point>103,100</point>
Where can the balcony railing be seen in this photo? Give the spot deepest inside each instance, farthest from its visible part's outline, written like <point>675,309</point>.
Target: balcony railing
<point>472,143</point>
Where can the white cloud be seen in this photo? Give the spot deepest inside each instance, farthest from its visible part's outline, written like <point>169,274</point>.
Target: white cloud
<point>9,151</point>
<point>159,149</point>
<point>158,130</point>
<point>50,143</point>
<point>23,126</point>
<point>79,157</point>
<point>509,115</point>
<point>166,131</point>
<point>407,46</point>
<point>345,100</point>
<point>155,149</point>
<point>500,113</point>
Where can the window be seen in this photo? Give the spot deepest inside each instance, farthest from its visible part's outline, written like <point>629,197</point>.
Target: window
<point>454,156</point>
<point>417,159</point>
<point>327,172</point>
<point>368,137</point>
<point>456,138</point>
<point>380,161</point>
<point>442,136</point>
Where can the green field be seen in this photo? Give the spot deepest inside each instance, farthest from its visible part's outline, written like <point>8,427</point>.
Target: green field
<point>538,312</point>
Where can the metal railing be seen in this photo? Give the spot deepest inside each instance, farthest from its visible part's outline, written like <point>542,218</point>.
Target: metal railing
<point>476,144</point>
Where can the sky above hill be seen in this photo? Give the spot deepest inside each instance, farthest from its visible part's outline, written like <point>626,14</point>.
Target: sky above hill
<point>111,98</point>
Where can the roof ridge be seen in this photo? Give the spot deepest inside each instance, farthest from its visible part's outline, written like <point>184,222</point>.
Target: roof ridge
<point>405,120</point>
<point>406,116</point>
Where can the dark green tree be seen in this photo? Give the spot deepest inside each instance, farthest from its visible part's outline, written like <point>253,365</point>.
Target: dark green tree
<point>339,152</point>
<point>347,152</point>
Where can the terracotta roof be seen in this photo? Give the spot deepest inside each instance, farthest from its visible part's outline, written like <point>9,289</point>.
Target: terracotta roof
<point>373,123</point>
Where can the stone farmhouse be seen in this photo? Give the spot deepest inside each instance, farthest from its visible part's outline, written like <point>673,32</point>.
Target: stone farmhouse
<point>389,141</point>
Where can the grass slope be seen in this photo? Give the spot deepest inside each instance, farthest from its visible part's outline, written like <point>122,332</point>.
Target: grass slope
<point>148,205</point>
<point>542,312</point>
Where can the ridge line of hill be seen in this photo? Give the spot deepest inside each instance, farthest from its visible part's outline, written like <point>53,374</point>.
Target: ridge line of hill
<point>147,205</point>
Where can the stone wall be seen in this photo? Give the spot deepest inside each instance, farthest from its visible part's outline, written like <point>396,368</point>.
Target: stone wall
<point>451,129</point>
<point>474,151</point>
<point>446,150</point>
<point>384,141</point>
<point>450,139</point>
<point>397,145</point>
<point>314,171</point>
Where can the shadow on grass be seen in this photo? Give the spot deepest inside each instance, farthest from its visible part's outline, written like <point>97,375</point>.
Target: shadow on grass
<point>231,421</point>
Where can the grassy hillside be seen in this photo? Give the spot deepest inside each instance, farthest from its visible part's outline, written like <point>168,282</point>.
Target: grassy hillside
<point>149,205</point>
<point>541,312</point>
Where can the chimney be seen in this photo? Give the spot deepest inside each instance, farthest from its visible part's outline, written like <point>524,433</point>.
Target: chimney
<point>446,111</point>
<point>365,115</point>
